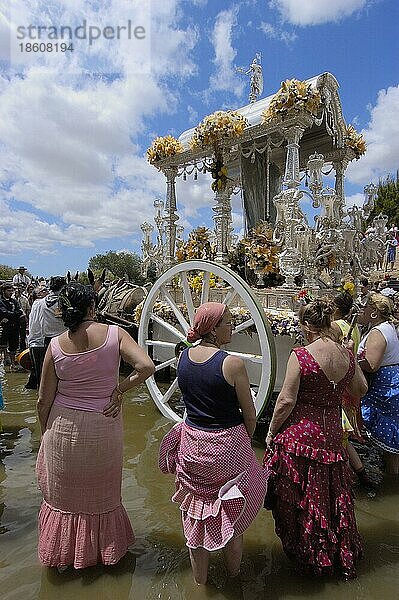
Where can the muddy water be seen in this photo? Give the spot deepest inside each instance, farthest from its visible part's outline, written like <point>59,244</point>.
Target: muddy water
<point>160,567</point>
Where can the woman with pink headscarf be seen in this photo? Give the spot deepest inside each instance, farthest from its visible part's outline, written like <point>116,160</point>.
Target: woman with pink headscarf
<point>220,486</point>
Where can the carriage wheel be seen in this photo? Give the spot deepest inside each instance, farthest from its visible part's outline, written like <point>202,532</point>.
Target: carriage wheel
<point>252,339</point>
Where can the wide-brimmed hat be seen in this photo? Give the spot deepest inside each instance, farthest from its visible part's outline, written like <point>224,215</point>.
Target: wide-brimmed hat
<point>24,268</point>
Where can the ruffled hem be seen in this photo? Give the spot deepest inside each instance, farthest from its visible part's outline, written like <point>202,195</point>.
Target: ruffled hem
<point>320,455</point>
<point>313,508</point>
<point>210,523</point>
<point>383,446</point>
<point>83,540</point>
<point>383,430</point>
<point>213,510</point>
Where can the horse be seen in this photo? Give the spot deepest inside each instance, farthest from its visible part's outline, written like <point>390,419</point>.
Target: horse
<point>117,301</point>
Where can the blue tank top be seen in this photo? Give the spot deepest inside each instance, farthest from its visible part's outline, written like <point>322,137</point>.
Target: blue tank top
<point>211,402</point>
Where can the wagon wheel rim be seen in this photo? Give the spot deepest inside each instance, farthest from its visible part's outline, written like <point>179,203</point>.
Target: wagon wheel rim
<point>168,335</point>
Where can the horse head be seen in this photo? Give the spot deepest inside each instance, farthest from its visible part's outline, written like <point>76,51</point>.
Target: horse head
<point>69,277</point>
<point>98,283</point>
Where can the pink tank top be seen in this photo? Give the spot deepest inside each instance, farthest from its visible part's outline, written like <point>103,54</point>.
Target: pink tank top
<point>87,379</point>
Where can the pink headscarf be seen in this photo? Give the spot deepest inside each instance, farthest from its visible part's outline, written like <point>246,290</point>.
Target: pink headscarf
<point>206,318</point>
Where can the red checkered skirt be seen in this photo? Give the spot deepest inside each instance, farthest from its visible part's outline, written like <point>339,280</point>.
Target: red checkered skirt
<point>220,486</point>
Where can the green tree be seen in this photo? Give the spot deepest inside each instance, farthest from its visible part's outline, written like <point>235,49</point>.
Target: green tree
<point>7,272</point>
<point>120,264</point>
<point>387,201</point>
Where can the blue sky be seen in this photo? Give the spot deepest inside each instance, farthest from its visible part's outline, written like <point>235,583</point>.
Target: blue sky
<point>74,127</point>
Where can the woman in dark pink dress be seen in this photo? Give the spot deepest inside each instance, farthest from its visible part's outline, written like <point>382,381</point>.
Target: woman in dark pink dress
<point>309,488</point>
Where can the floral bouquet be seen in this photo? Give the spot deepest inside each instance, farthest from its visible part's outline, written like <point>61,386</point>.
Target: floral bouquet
<point>219,175</point>
<point>348,287</point>
<point>220,124</point>
<point>198,246</point>
<point>355,140</point>
<point>304,297</point>
<point>260,249</point>
<point>196,280</point>
<point>293,94</point>
<point>162,147</point>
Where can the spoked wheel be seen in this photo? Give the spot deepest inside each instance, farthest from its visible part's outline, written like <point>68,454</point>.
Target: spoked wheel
<point>168,312</point>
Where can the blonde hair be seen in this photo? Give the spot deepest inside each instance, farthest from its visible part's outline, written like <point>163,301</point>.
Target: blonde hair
<point>317,314</point>
<point>383,304</point>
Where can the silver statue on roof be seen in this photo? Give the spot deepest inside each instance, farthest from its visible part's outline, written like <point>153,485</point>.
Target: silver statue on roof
<point>256,77</point>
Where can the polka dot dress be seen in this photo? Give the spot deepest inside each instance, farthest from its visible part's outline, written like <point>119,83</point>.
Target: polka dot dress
<point>220,486</point>
<point>309,489</point>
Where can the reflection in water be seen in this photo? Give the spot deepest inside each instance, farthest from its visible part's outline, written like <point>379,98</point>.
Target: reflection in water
<point>159,567</point>
<point>91,583</point>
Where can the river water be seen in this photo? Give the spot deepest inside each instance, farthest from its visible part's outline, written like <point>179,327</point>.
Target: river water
<point>159,568</point>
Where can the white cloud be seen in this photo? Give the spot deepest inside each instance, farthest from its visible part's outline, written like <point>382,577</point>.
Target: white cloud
<point>276,33</point>
<point>315,12</point>
<point>354,200</point>
<point>193,195</point>
<point>382,137</point>
<point>192,115</point>
<point>225,77</point>
<point>69,145</point>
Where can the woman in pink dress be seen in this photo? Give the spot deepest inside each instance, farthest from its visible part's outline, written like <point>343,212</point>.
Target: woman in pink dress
<point>309,489</point>
<point>220,485</point>
<point>79,467</point>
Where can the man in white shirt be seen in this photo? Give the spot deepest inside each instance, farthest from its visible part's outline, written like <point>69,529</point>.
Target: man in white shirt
<point>45,323</point>
<point>20,278</point>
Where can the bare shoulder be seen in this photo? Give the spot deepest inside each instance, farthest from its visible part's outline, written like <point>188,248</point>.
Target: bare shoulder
<point>234,363</point>
<point>375,336</point>
<point>335,331</point>
<point>293,366</point>
<point>125,337</point>
<point>101,326</point>
<point>123,334</point>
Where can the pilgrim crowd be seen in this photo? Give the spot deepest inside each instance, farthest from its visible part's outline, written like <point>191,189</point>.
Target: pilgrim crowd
<point>341,385</point>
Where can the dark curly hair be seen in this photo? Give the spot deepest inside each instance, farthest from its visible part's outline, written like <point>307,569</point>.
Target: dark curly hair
<point>74,301</point>
<point>317,314</point>
<point>344,303</point>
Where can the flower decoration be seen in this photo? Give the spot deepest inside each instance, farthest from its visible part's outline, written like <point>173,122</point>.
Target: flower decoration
<point>198,245</point>
<point>285,322</point>
<point>219,174</point>
<point>282,322</point>
<point>162,147</point>
<point>137,312</point>
<point>348,287</point>
<point>218,125</point>
<point>304,297</point>
<point>292,95</point>
<point>195,281</point>
<point>355,140</point>
<point>260,250</point>
<point>162,310</point>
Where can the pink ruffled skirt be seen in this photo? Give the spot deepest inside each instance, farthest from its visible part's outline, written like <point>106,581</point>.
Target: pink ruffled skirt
<point>220,486</point>
<point>79,468</point>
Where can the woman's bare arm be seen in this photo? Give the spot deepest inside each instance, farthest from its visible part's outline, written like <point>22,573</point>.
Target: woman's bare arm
<point>375,349</point>
<point>287,397</point>
<point>236,374</point>
<point>138,359</point>
<point>358,385</point>
<point>47,390</point>
<point>143,367</point>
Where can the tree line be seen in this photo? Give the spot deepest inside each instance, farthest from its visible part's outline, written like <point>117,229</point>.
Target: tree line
<point>117,265</point>
<point>387,201</point>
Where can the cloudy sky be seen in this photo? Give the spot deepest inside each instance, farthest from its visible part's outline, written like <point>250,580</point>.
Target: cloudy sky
<point>75,125</point>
